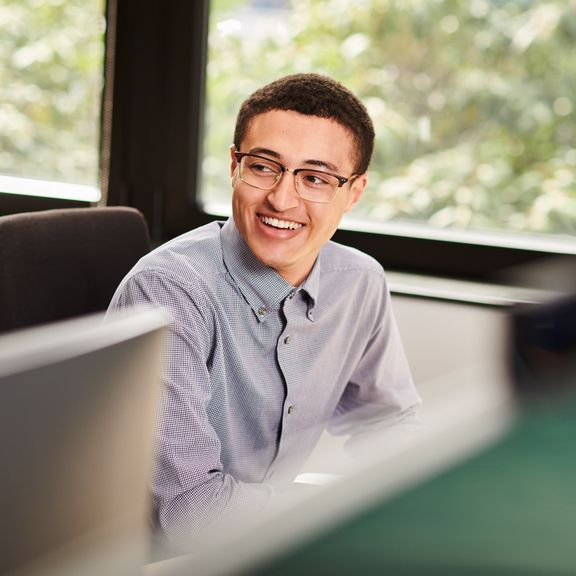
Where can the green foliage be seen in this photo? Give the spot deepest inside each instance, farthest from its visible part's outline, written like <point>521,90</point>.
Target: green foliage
<point>51,55</point>
<point>473,102</point>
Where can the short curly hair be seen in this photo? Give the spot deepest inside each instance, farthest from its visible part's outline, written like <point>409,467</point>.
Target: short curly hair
<point>313,95</point>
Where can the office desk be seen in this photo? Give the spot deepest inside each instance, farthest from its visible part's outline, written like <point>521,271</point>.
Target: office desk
<point>508,511</point>
<point>487,492</point>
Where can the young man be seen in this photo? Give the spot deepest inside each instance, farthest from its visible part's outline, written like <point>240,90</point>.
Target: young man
<point>277,333</point>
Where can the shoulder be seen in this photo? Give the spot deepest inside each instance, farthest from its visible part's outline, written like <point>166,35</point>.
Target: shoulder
<point>337,258</point>
<point>353,275</point>
<point>188,267</point>
<point>182,276</point>
<point>186,258</point>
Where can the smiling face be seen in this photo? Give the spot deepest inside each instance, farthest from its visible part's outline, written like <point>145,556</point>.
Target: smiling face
<point>282,230</point>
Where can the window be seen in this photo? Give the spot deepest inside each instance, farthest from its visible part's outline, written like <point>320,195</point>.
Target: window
<point>473,104</point>
<point>169,150</point>
<point>51,61</point>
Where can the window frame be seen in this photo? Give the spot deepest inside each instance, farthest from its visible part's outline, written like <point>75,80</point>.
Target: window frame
<point>152,137</point>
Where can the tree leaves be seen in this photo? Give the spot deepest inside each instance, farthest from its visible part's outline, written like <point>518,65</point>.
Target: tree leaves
<point>473,102</point>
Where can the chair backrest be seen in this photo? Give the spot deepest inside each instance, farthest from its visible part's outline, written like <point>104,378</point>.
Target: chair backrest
<point>58,264</point>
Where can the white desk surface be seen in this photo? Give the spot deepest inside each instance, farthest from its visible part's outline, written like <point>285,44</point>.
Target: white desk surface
<point>464,411</point>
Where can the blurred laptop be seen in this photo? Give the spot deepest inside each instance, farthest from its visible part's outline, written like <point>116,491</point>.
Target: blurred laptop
<point>77,415</point>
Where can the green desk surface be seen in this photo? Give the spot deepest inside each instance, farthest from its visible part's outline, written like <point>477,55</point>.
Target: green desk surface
<point>509,511</point>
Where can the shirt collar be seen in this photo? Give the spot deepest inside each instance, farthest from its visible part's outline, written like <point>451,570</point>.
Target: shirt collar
<point>262,287</point>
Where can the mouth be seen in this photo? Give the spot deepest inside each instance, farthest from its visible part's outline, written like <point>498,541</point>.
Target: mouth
<point>281,224</point>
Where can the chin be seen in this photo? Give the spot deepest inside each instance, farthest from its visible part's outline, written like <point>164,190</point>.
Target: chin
<point>273,261</point>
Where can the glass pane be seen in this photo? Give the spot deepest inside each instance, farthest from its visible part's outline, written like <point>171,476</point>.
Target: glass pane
<point>51,61</point>
<point>473,102</point>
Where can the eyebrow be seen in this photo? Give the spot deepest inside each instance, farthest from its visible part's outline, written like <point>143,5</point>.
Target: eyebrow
<point>276,155</point>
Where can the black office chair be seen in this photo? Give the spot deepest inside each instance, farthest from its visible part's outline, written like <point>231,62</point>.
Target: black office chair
<point>57,264</point>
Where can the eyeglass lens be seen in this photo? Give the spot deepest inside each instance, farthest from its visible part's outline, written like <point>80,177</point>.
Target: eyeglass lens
<point>311,185</point>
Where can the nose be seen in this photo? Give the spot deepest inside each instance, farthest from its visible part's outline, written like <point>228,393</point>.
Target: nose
<point>284,195</point>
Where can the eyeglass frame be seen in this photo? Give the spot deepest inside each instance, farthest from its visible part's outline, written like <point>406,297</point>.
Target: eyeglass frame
<point>283,169</point>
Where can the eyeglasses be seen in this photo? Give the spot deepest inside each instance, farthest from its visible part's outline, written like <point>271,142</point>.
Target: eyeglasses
<point>311,185</point>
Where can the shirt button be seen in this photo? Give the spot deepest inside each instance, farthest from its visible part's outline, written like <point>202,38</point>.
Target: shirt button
<point>262,311</point>
<point>287,340</point>
<point>291,409</point>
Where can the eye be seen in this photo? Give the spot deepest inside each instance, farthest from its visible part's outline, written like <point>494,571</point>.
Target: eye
<point>261,168</point>
<point>317,179</point>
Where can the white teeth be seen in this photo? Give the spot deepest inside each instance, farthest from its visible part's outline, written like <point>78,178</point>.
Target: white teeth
<point>280,223</point>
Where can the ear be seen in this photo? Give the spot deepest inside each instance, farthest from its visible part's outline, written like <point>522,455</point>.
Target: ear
<point>356,188</point>
<point>233,161</point>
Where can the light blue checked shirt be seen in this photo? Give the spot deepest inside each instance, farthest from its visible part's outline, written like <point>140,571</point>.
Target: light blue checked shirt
<point>257,369</point>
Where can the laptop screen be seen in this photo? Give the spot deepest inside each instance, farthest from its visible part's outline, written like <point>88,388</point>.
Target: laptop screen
<point>77,415</point>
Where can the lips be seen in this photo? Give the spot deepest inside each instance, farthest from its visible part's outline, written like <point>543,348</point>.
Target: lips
<point>282,224</point>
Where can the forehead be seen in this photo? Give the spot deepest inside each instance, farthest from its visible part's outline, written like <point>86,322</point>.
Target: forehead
<point>299,136</point>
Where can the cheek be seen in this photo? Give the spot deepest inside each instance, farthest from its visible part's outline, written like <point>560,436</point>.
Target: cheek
<point>326,222</point>
<point>244,196</point>
<point>237,200</point>
<point>333,217</point>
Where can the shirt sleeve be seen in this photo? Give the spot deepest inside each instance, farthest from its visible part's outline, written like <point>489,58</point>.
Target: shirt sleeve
<point>381,393</point>
<point>191,491</point>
